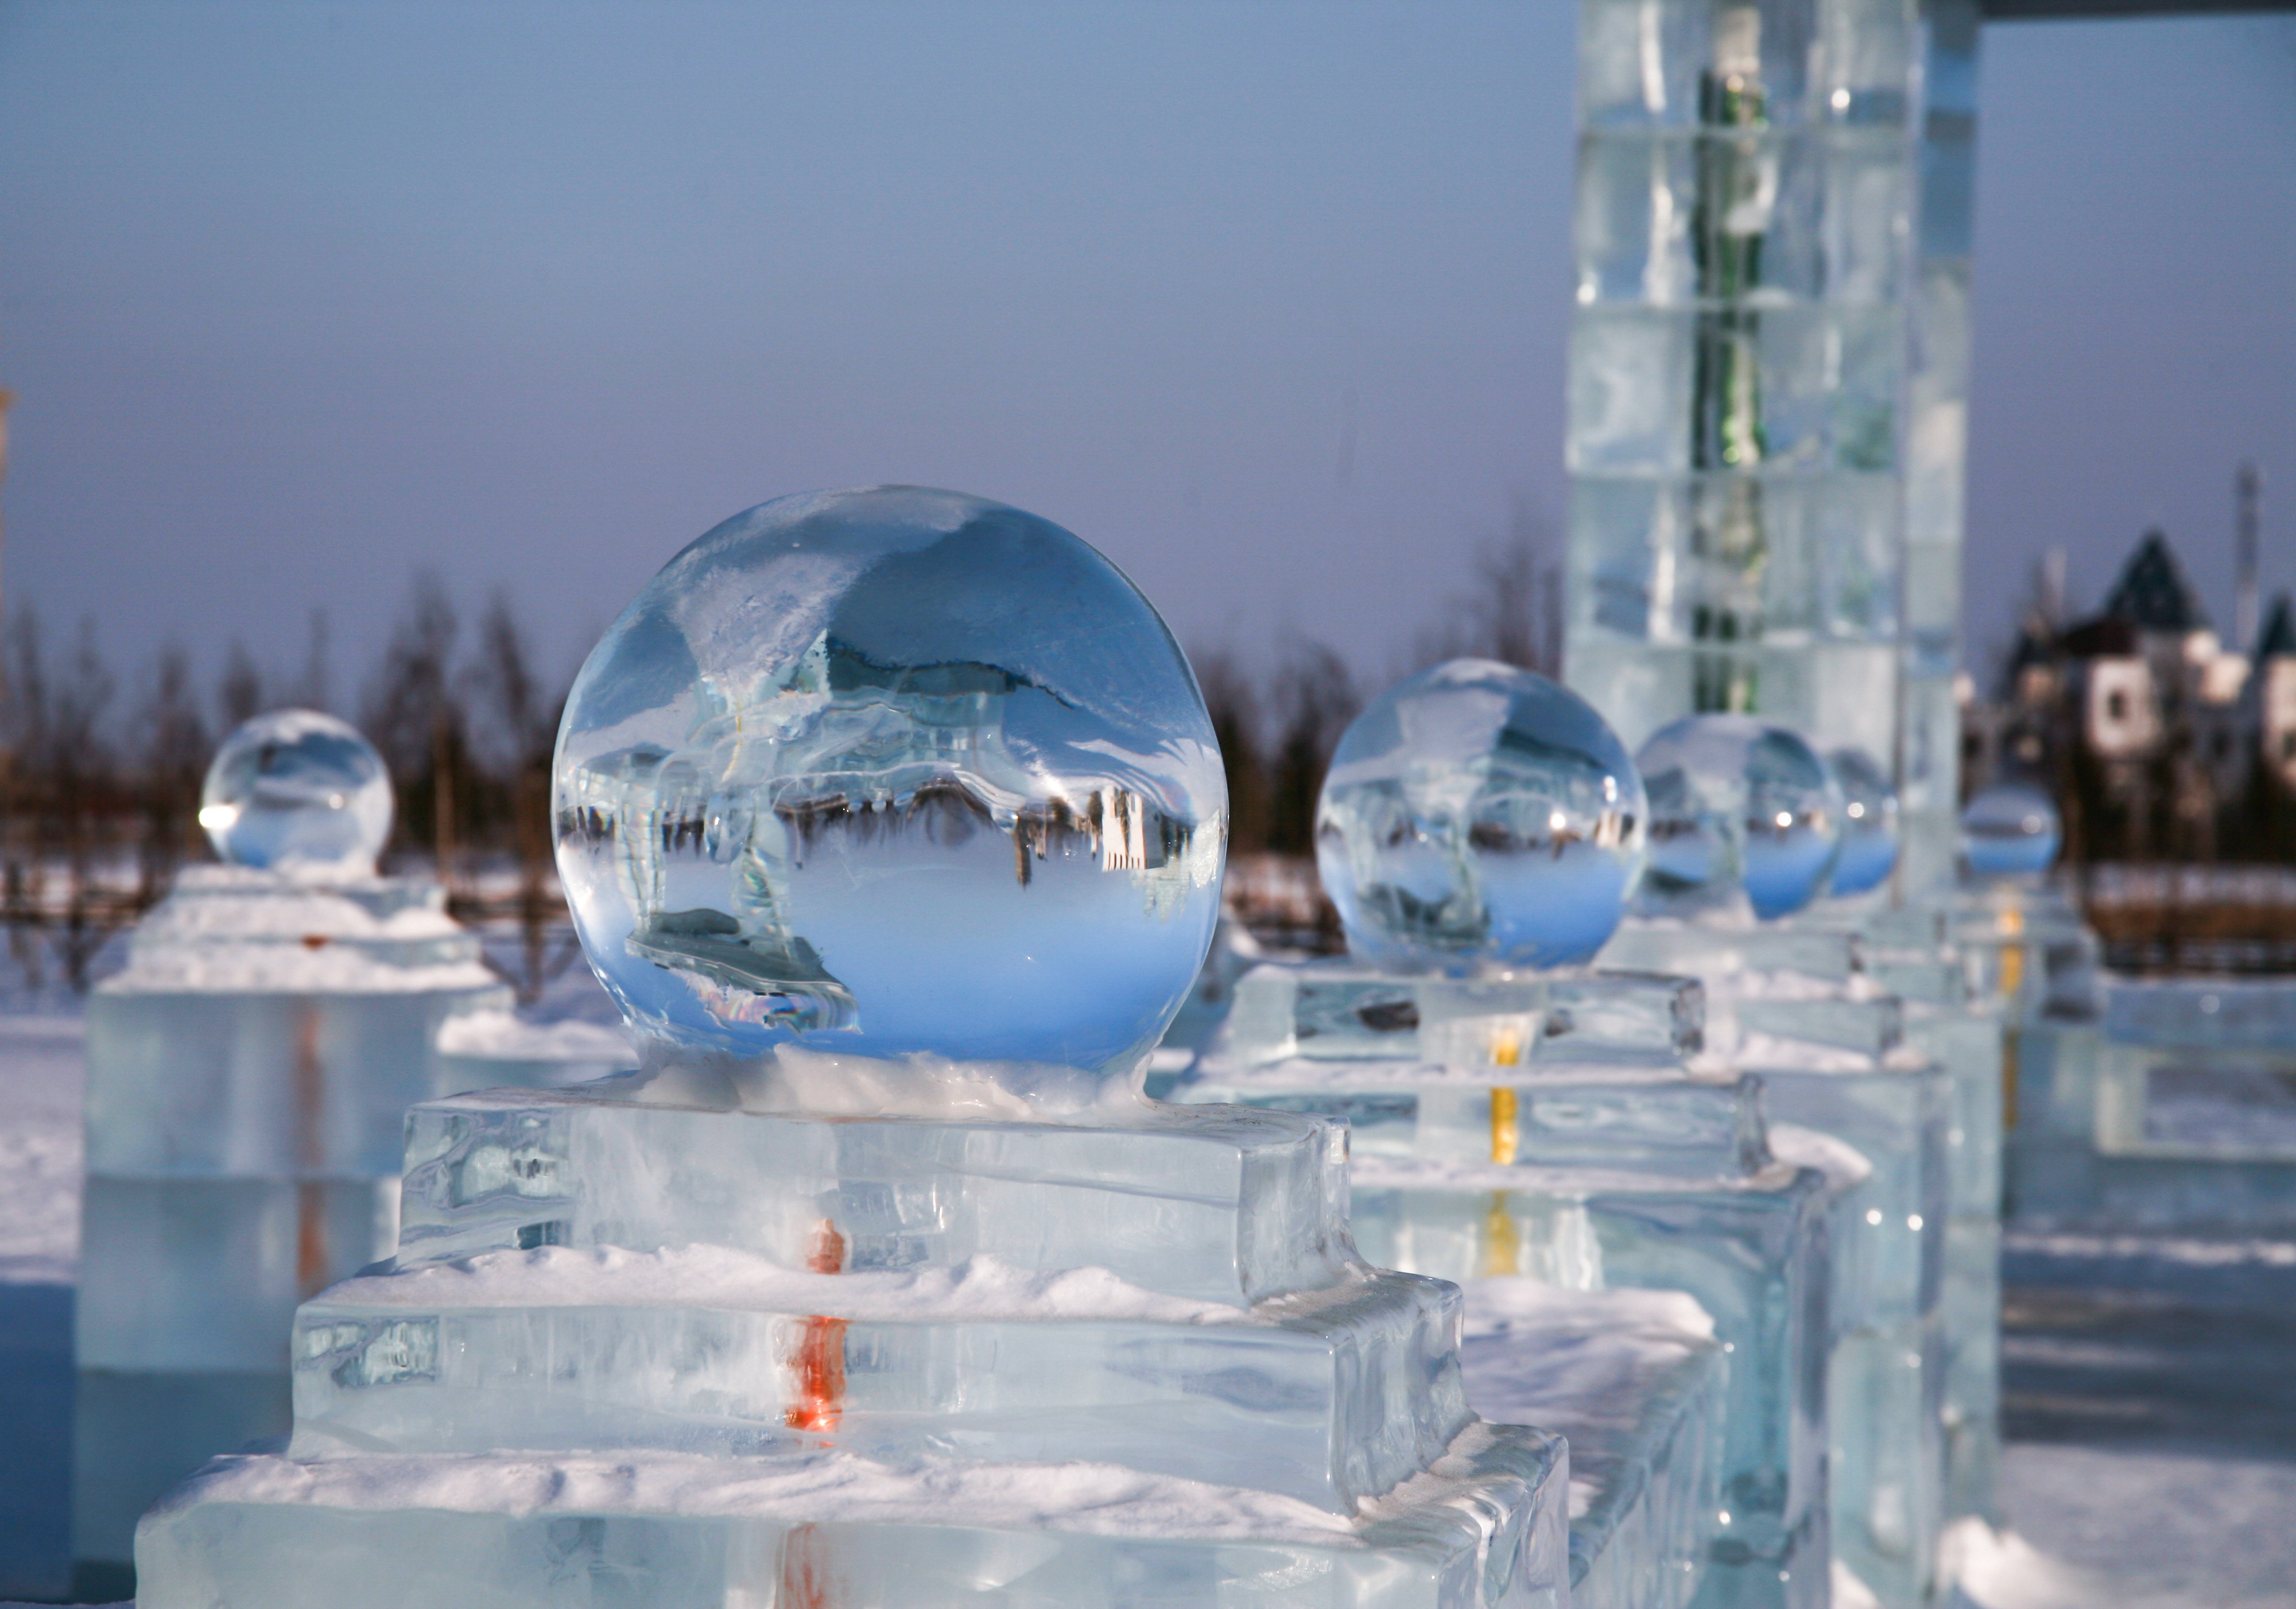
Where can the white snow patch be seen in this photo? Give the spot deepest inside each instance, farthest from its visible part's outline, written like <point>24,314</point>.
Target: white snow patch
<point>1845,1166</point>
<point>1989,1569</point>
<point>981,1289</point>
<point>40,1149</point>
<point>503,1035</point>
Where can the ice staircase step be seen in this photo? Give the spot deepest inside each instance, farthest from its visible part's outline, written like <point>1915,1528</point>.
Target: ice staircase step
<point>1221,1203</point>
<point>1330,1396</point>
<point>1481,1530</point>
<point>1635,1382</point>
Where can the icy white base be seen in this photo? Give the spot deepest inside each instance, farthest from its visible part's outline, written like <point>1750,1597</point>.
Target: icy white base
<point>1481,1530</point>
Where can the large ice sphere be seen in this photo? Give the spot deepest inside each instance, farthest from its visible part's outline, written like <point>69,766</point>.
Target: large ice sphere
<point>299,792</point>
<point>888,771</point>
<point>1479,815</point>
<point>2010,830</point>
<point>1869,821</point>
<point>1737,804</point>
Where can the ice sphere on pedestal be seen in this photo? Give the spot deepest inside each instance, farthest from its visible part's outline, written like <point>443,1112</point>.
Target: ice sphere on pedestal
<point>300,794</point>
<point>1869,821</point>
<point>888,771</point>
<point>1737,805</point>
<point>2010,830</point>
<point>1477,815</point>
<point>893,819</point>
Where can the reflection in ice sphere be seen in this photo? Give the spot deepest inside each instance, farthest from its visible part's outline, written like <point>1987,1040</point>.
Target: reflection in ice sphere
<point>891,770</point>
<point>1737,804</point>
<point>1478,815</point>
<point>2010,830</point>
<point>1869,821</point>
<point>299,792</point>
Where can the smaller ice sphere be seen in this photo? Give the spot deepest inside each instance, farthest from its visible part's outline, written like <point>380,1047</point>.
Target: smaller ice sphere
<point>1737,807</point>
<point>1476,816</point>
<point>872,775</point>
<point>2010,830</point>
<point>298,792</point>
<point>1869,821</point>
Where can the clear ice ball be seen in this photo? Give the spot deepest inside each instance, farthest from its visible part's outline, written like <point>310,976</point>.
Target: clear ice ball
<point>893,770</point>
<point>1737,806</point>
<point>1479,816</point>
<point>300,793</point>
<point>1869,821</point>
<point>2010,830</point>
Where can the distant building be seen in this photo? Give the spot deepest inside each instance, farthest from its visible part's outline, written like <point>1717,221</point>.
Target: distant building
<point>2160,742</point>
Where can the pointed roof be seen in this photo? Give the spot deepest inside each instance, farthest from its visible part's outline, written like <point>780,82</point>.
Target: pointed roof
<point>2279,637</point>
<point>2152,594</point>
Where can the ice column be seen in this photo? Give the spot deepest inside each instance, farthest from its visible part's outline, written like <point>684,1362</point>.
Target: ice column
<point>1738,362</point>
<point>1937,444</point>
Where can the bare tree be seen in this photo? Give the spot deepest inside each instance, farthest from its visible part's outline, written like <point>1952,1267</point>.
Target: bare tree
<point>414,717</point>
<point>1314,700</point>
<point>313,691</point>
<point>240,695</point>
<point>1512,610</point>
<point>521,730</point>
<point>172,742</point>
<point>1234,708</point>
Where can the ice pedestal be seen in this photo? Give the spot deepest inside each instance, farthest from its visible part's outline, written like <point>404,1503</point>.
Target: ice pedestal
<point>1953,1016</point>
<point>1793,1007</point>
<point>773,1359</point>
<point>1543,1127</point>
<point>248,1075</point>
<point>1635,1382</point>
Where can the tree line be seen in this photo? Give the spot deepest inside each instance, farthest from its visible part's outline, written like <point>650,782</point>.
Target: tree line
<point>100,779</point>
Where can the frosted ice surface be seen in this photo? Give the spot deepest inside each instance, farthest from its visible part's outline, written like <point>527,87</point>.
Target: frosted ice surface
<point>1869,821</point>
<point>1739,810</point>
<point>2010,830</point>
<point>893,770</point>
<point>1479,816</point>
<point>300,793</point>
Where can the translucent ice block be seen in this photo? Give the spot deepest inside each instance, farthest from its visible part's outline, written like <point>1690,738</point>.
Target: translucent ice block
<point>204,1273</point>
<point>1634,1381</point>
<point>1751,1250</point>
<point>265,1083</point>
<point>1485,1529</point>
<point>1333,1010</point>
<point>1331,1396</point>
<point>1224,1204</point>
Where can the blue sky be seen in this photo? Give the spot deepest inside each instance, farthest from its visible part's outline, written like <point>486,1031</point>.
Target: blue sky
<point>1267,300</point>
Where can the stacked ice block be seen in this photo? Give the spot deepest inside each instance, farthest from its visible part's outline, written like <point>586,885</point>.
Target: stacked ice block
<point>248,1072</point>
<point>1543,1130</point>
<point>1792,1006</point>
<point>707,1355</point>
<point>1746,183</point>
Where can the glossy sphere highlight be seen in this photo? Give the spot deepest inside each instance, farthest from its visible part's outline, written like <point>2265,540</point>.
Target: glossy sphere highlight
<point>2010,830</point>
<point>1479,816</point>
<point>299,792</point>
<point>1737,806</point>
<point>1869,821</point>
<point>892,770</point>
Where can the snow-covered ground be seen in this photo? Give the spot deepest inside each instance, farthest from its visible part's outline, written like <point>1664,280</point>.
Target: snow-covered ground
<point>2156,1467</point>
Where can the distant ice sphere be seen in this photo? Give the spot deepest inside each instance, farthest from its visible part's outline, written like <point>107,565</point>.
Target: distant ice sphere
<point>888,771</point>
<point>1479,816</point>
<point>2010,830</point>
<point>298,792</point>
<point>1737,805</point>
<point>1869,821</point>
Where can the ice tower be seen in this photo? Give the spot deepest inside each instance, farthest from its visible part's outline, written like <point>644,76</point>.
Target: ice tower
<point>248,1072</point>
<point>895,818</point>
<point>1642,1271</point>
